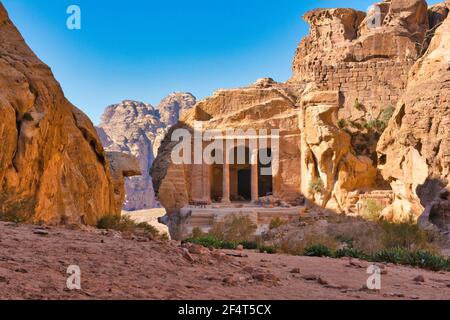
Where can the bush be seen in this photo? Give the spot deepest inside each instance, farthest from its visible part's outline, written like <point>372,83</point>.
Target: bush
<point>318,250</point>
<point>125,224</point>
<point>249,245</point>
<point>197,232</point>
<point>386,115</point>
<point>267,249</point>
<point>316,186</point>
<point>422,259</point>
<point>351,253</point>
<point>342,123</point>
<point>276,223</point>
<point>358,105</point>
<point>371,210</point>
<point>210,241</point>
<point>404,235</point>
<point>234,229</point>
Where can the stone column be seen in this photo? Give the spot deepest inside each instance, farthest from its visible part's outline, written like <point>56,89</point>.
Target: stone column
<point>226,183</point>
<point>254,180</point>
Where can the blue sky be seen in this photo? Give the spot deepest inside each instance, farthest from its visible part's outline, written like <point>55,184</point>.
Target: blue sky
<point>146,49</point>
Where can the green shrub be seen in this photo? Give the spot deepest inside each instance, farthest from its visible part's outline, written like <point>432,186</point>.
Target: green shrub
<point>391,255</point>
<point>125,224</point>
<point>209,241</point>
<point>358,105</point>
<point>386,114</point>
<point>371,210</point>
<point>318,250</point>
<point>422,259</point>
<point>342,123</point>
<point>351,253</point>
<point>426,260</point>
<point>316,186</point>
<point>267,249</point>
<point>249,245</point>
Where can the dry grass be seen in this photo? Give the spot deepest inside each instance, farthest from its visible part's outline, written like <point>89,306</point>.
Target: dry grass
<point>234,228</point>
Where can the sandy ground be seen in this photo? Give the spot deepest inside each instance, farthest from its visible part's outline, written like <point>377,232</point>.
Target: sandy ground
<point>34,266</point>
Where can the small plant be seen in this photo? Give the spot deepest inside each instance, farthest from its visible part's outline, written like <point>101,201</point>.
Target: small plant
<point>386,114</point>
<point>234,229</point>
<point>342,123</point>
<point>371,210</point>
<point>267,249</point>
<point>350,252</point>
<point>318,250</point>
<point>316,186</point>
<point>210,241</point>
<point>358,105</point>
<point>125,224</point>
<point>249,245</point>
<point>197,232</point>
<point>276,223</point>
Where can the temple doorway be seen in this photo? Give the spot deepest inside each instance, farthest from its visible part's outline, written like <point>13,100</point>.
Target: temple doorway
<point>265,177</point>
<point>240,175</point>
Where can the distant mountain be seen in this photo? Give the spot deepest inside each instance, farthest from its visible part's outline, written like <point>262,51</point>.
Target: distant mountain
<point>138,128</point>
<point>172,106</point>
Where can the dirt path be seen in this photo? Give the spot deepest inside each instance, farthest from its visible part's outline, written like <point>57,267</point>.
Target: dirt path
<point>33,266</point>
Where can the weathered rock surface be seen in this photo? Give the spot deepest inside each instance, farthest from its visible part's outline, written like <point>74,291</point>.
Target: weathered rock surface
<point>132,127</point>
<point>52,165</point>
<point>173,106</point>
<point>137,128</point>
<point>349,74</point>
<point>415,148</point>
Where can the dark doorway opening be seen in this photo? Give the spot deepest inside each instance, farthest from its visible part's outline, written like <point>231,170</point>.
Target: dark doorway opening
<point>244,184</point>
<point>265,178</point>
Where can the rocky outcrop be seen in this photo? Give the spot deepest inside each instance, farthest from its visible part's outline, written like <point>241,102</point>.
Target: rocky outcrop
<point>52,165</point>
<point>354,75</point>
<point>415,148</point>
<point>137,129</point>
<point>330,170</point>
<point>366,57</point>
<point>122,165</point>
<point>173,106</point>
<point>132,127</point>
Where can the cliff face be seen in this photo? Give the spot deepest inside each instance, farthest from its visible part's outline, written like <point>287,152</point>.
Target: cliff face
<point>415,148</point>
<point>137,129</point>
<point>131,127</point>
<point>52,165</point>
<point>354,75</point>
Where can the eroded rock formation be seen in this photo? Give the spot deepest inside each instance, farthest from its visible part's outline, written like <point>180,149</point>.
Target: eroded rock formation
<point>353,76</point>
<point>415,148</point>
<point>137,129</point>
<point>52,165</point>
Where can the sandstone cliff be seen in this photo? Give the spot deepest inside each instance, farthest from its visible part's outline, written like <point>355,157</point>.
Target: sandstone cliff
<point>415,148</point>
<point>137,129</point>
<point>52,165</point>
<point>354,75</point>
